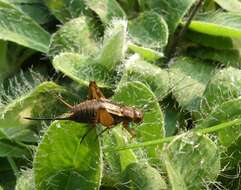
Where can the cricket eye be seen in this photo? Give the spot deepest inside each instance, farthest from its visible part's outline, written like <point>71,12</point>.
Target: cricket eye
<point>138,116</point>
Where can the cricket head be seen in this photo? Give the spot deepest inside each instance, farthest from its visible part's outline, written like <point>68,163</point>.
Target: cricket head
<point>138,116</point>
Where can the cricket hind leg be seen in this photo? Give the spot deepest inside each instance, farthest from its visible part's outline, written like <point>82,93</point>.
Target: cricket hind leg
<point>95,92</point>
<point>60,98</point>
<point>85,135</point>
<point>101,133</point>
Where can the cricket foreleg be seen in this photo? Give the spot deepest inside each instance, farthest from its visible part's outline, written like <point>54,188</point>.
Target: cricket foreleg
<point>131,131</point>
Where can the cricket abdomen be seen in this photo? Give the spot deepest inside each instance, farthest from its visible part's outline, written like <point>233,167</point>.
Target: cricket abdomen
<point>86,111</point>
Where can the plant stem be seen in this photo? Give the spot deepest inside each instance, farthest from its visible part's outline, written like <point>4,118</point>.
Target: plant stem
<point>169,139</point>
<point>176,39</point>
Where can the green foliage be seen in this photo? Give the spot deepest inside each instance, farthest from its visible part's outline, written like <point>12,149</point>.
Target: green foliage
<point>137,94</point>
<point>224,85</point>
<point>218,24</point>
<point>60,155</point>
<point>25,181</point>
<point>27,32</point>
<point>153,76</point>
<point>65,10</point>
<point>28,104</point>
<point>190,98</point>
<point>73,36</point>
<point>173,10</point>
<point>106,9</point>
<point>143,176</point>
<point>187,151</point>
<point>233,6</point>
<point>149,30</point>
<point>189,79</point>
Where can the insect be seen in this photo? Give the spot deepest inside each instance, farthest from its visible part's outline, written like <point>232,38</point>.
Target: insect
<point>100,110</point>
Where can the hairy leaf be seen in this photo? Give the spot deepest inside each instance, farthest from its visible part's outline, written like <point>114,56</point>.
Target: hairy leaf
<point>149,30</point>
<point>27,32</point>
<point>61,162</point>
<point>189,78</point>
<point>74,36</point>
<point>65,10</point>
<point>217,42</point>
<point>233,6</point>
<point>12,150</point>
<point>172,10</point>
<point>114,45</point>
<point>82,69</point>
<point>25,181</point>
<point>138,95</point>
<point>143,177</point>
<point>218,24</point>
<point>187,151</point>
<point>106,9</point>
<point>30,103</point>
<point>224,85</point>
<point>227,111</point>
<point>154,77</point>
<point>147,53</point>
<point>225,57</point>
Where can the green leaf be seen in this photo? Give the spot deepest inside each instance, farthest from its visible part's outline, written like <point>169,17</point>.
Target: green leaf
<point>222,113</point>
<point>26,33</point>
<point>190,159</point>
<point>149,30</point>
<point>12,56</point>
<point>106,9</point>
<point>218,24</point>
<point>65,10</point>
<point>35,9</point>
<point>223,86</point>
<point>32,102</point>
<point>217,42</point>
<point>225,57</point>
<point>114,45</point>
<point>4,66</point>
<point>174,119</point>
<point>172,10</point>
<point>74,36</point>
<point>146,53</point>
<point>82,69</point>
<point>25,181</point>
<point>189,78</point>
<point>61,162</point>
<point>116,161</point>
<point>141,176</point>
<point>130,7</point>
<point>22,134</point>
<point>12,150</point>
<point>231,165</point>
<point>233,6</point>
<point>138,95</point>
<point>153,76</point>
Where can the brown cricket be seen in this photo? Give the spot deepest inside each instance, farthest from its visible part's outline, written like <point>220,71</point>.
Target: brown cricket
<point>100,110</point>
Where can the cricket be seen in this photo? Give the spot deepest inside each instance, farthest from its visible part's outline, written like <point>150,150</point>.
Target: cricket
<point>99,110</point>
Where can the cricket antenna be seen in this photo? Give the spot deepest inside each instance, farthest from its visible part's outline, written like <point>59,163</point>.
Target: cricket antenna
<point>47,119</point>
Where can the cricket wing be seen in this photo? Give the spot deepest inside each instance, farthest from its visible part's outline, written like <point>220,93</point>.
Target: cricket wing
<point>113,108</point>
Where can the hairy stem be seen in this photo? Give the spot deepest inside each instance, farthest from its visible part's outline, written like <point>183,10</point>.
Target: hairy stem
<point>176,39</point>
<point>169,139</point>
